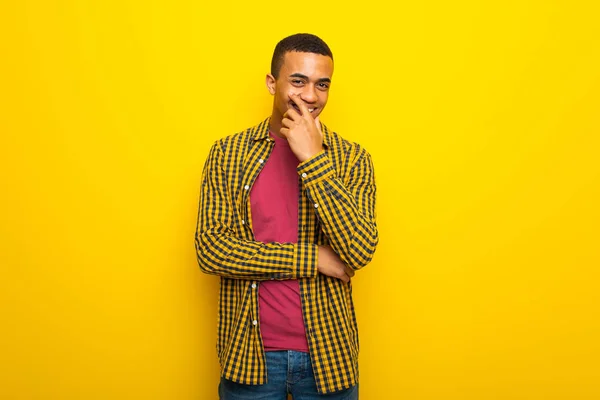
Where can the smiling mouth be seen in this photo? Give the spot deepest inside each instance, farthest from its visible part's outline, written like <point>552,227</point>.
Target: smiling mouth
<point>311,110</point>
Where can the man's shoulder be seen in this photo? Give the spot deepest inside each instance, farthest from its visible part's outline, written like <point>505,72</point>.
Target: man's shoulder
<point>243,136</point>
<point>339,143</point>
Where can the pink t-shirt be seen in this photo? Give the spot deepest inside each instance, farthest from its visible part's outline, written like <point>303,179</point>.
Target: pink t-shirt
<point>274,205</point>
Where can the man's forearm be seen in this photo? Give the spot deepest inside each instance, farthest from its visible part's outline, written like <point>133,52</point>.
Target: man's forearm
<point>346,212</point>
<point>228,256</point>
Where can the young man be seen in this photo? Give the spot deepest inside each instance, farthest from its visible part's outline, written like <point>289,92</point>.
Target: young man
<point>287,215</point>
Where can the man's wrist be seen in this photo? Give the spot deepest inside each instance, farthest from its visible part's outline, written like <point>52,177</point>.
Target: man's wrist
<point>315,169</point>
<point>310,155</point>
<point>305,260</point>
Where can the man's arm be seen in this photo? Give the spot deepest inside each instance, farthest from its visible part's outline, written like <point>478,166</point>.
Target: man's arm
<point>221,252</point>
<point>346,212</point>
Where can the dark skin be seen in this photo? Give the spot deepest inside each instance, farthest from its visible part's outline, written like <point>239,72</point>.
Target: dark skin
<point>304,78</point>
<point>301,92</point>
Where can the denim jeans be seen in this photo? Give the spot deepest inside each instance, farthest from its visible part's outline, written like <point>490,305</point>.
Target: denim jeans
<point>287,372</point>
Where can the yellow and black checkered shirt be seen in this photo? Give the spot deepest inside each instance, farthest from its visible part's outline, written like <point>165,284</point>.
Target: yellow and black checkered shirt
<point>336,208</point>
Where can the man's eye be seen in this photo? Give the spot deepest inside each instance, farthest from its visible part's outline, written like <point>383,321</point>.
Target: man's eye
<point>323,85</point>
<point>297,82</point>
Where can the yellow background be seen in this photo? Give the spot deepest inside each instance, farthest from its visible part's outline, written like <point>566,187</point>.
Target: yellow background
<point>483,119</point>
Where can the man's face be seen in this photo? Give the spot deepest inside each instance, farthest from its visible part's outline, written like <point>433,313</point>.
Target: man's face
<point>307,75</point>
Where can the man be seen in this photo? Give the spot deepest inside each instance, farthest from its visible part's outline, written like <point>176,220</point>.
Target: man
<point>286,217</point>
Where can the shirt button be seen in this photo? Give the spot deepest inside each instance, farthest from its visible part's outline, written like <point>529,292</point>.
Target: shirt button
<point>304,175</point>
<point>268,140</point>
<point>316,205</point>
<point>246,187</point>
<point>261,161</point>
<point>243,222</point>
<point>254,286</point>
<point>255,322</point>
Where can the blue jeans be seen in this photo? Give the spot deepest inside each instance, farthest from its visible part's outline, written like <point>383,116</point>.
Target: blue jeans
<point>287,372</point>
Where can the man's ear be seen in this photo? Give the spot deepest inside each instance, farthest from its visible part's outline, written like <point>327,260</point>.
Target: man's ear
<point>271,83</point>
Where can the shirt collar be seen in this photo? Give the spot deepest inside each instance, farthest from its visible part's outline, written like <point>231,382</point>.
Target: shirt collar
<point>261,132</point>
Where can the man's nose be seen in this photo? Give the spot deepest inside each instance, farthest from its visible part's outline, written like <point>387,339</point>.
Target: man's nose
<point>309,94</point>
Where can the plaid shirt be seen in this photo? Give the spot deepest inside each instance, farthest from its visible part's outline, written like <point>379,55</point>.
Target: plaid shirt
<point>336,208</point>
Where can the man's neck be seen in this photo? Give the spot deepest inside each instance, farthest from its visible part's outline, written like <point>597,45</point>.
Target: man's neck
<point>275,123</point>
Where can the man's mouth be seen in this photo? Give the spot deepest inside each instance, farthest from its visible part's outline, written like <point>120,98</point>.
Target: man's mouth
<point>310,109</point>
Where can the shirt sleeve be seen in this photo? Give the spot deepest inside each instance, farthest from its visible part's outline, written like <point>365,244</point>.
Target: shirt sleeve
<point>221,251</point>
<point>345,211</point>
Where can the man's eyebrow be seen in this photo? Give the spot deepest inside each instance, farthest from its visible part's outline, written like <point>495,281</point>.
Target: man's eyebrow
<point>298,75</point>
<point>302,76</point>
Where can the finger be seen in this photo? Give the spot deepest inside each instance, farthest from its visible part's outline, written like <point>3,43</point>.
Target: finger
<point>298,101</point>
<point>318,123</point>
<point>292,114</point>
<point>284,131</point>
<point>288,123</point>
<point>345,278</point>
<point>350,272</point>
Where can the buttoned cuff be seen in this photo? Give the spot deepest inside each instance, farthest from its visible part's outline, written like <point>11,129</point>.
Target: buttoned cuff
<point>316,169</point>
<point>305,260</point>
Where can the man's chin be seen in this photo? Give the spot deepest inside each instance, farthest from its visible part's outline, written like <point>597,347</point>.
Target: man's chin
<point>317,114</point>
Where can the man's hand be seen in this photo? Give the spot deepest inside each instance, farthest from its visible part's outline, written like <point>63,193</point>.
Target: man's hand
<point>303,132</point>
<point>330,264</point>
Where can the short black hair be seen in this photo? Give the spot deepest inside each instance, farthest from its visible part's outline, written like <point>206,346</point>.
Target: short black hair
<point>301,42</point>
